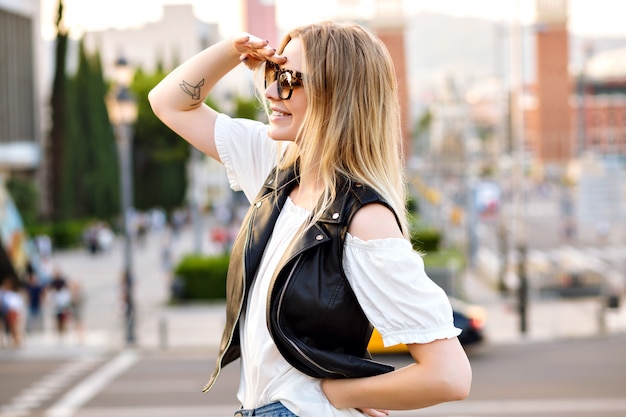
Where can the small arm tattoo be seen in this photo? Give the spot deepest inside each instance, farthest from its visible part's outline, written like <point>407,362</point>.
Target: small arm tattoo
<point>192,90</point>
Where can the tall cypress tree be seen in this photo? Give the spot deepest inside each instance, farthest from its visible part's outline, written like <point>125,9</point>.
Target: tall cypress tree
<point>106,194</point>
<point>76,159</point>
<point>90,161</point>
<point>58,103</point>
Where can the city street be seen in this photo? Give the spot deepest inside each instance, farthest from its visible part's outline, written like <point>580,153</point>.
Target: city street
<point>563,366</point>
<point>584,377</point>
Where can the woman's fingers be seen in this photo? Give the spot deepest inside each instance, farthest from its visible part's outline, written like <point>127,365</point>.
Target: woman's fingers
<point>247,43</point>
<point>252,59</point>
<point>241,38</point>
<point>253,48</point>
<point>253,51</point>
<point>372,412</point>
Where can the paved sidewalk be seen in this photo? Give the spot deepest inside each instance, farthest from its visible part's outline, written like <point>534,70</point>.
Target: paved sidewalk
<point>547,318</point>
<point>199,326</point>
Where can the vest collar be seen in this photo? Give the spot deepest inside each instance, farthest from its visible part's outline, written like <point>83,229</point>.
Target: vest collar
<point>287,179</point>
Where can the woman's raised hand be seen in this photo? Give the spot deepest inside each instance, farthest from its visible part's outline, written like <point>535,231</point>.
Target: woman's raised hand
<point>254,51</point>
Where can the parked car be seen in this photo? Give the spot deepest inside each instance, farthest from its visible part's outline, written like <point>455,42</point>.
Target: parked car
<point>467,317</point>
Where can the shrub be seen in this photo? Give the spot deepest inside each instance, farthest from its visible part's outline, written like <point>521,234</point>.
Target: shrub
<point>426,240</point>
<point>64,235</point>
<point>68,234</point>
<point>202,277</point>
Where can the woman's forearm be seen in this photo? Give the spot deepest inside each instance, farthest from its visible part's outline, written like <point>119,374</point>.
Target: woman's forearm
<point>178,100</point>
<point>187,86</point>
<point>439,376</point>
<point>405,389</point>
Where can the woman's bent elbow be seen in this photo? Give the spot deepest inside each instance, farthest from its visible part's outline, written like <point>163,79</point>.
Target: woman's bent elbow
<point>460,390</point>
<point>154,101</point>
<point>160,105</point>
<point>459,384</point>
<point>453,382</point>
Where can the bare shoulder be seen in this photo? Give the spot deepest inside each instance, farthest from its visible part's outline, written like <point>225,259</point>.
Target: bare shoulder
<point>374,221</point>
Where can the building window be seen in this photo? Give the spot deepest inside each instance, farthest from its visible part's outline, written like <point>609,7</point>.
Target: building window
<point>17,95</point>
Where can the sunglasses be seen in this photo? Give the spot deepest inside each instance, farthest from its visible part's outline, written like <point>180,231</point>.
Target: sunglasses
<point>286,80</point>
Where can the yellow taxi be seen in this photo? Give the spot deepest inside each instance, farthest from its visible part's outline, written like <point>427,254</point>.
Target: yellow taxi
<point>469,318</point>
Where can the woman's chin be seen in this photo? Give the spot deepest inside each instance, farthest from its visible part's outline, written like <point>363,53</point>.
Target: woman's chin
<point>279,135</point>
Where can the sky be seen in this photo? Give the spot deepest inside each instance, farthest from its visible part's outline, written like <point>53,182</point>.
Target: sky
<point>587,17</point>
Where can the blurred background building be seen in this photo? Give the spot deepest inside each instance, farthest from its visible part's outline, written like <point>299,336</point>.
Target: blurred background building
<point>550,137</point>
<point>600,105</point>
<point>572,92</point>
<point>168,42</point>
<point>20,121</point>
<point>259,16</point>
<point>389,24</point>
<point>20,98</point>
<point>478,97</point>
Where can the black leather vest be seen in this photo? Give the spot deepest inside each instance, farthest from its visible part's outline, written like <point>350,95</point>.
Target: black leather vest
<point>313,316</point>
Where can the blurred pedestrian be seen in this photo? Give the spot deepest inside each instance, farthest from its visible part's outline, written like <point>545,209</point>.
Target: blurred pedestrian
<point>91,238</point>
<point>142,227</point>
<point>166,250</point>
<point>44,245</point>
<point>219,238</point>
<point>35,291</point>
<point>77,300</point>
<point>12,307</point>
<point>106,237</point>
<point>45,270</point>
<point>177,221</point>
<point>61,299</point>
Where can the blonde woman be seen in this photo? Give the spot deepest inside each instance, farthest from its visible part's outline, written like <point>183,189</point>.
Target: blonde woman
<point>322,254</point>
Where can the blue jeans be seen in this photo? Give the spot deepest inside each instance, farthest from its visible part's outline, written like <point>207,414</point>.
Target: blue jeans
<point>270,410</point>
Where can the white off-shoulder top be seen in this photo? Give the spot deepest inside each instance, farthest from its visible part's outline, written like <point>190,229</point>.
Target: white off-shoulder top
<point>387,276</point>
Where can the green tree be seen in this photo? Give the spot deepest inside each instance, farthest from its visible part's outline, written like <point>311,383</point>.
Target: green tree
<point>90,163</point>
<point>159,155</point>
<point>105,202</point>
<point>24,194</point>
<point>58,101</point>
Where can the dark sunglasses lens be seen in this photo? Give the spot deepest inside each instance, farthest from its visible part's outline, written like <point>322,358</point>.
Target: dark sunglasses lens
<point>270,73</point>
<point>284,84</point>
<point>284,80</point>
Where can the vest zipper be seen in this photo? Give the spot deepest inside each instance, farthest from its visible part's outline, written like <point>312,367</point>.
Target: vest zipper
<point>280,302</point>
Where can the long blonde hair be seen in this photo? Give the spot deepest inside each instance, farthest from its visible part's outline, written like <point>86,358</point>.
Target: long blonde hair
<point>352,125</point>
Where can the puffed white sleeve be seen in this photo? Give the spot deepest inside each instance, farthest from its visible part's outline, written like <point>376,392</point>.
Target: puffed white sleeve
<point>246,151</point>
<point>400,300</point>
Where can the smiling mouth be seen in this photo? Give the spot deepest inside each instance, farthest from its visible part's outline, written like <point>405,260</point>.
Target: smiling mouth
<point>277,113</point>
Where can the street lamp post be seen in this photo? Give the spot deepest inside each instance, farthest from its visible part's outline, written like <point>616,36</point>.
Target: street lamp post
<point>122,110</point>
